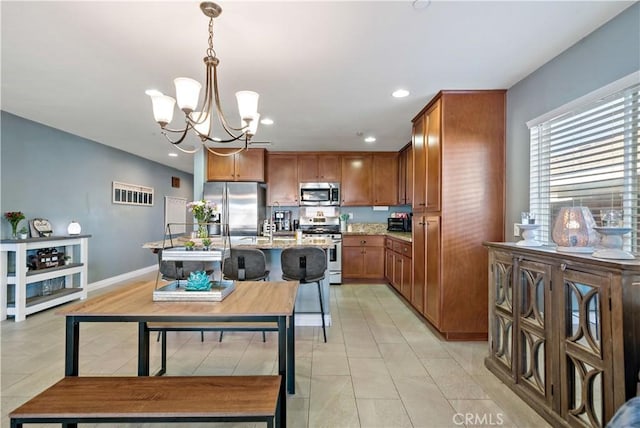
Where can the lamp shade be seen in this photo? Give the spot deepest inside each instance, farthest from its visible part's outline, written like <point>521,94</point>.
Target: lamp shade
<point>573,230</point>
<point>187,93</point>
<point>247,104</point>
<point>162,108</point>
<point>201,122</point>
<point>74,228</point>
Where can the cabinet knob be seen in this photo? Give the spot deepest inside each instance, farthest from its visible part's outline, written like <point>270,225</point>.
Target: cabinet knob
<point>363,242</point>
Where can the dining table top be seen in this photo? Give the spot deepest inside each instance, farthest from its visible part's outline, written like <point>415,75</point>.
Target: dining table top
<point>250,298</point>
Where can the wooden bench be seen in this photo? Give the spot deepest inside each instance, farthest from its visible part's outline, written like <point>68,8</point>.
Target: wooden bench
<point>153,399</point>
<point>163,328</point>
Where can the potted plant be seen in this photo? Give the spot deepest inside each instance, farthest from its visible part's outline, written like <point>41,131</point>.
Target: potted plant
<point>189,245</point>
<point>206,242</point>
<point>23,232</point>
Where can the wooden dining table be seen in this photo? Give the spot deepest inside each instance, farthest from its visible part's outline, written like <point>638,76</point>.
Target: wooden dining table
<point>251,301</point>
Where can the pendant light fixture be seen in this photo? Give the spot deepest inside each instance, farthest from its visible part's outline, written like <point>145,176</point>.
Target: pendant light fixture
<point>198,117</point>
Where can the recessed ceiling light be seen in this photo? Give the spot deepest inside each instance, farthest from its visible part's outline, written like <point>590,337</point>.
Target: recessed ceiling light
<point>266,121</point>
<point>400,93</point>
<point>370,139</point>
<point>173,155</point>
<point>153,92</point>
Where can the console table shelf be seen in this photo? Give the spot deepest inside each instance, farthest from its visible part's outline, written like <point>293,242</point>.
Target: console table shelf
<point>74,274</point>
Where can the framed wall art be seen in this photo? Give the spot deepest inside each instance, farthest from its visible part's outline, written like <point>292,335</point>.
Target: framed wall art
<point>132,194</point>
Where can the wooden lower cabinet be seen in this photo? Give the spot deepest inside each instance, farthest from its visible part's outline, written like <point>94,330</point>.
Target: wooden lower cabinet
<point>564,331</point>
<point>363,257</point>
<point>398,265</point>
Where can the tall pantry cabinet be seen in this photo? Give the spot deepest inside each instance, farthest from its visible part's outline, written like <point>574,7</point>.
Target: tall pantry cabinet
<point>458,143</point>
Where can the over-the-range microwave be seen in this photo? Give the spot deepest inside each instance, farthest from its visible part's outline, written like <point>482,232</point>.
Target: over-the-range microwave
<point>320,194</point>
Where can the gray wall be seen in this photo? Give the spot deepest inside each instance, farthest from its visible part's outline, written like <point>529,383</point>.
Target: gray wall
<point>49,173</point>
<point>604,56</point>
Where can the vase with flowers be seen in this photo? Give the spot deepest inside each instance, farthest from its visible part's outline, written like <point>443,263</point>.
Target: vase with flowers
<point>202,211</point>
<point>14,218</point>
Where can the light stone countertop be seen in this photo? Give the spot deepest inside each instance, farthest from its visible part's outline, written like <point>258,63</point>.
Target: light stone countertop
<point>376,229</point>
<point>260,242</point>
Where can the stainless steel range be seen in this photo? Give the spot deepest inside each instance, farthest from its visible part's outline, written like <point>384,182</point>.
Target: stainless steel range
<point>327,227</point>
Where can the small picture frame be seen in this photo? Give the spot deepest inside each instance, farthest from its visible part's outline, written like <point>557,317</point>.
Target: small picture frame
<point>175,182</point>
<point>131,194</point>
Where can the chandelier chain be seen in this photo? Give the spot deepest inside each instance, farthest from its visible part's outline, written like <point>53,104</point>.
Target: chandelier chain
<point>211,52</point>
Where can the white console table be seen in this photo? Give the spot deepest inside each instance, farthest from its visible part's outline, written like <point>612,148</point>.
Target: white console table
<point>20,277</point>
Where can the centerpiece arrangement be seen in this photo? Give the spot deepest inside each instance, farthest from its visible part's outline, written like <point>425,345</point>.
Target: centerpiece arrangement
<point>202,211</point>
<point>14,218</point>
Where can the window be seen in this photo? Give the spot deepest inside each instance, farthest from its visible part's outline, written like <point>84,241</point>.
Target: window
<point>587,155</point>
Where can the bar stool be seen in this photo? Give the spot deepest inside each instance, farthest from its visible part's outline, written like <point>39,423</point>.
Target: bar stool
<point>248,264</point>
<point>306,265</point>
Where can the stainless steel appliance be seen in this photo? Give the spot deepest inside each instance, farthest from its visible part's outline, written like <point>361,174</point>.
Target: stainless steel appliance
<point>320,194</point>
<point>282,220</point>
<point>327,227</point>
<point>243,206</point>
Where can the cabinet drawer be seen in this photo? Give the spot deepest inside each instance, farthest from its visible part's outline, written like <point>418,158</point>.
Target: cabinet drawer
<point>388,242</point>
<point>405,249</point>
<point>363,241</point>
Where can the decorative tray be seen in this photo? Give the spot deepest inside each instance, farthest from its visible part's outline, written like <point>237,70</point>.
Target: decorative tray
<point>176,291</point>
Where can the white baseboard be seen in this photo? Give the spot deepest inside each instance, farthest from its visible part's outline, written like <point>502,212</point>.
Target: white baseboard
<point>312,320</point>
<point>120,278</point>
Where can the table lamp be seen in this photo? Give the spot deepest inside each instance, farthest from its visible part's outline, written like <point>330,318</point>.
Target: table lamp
<point>573,230</point>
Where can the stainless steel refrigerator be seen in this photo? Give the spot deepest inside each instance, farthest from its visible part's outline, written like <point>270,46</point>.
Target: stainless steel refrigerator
<point>242,206</point>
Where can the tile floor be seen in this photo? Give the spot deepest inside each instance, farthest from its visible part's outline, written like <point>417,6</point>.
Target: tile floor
<point>382,365</point>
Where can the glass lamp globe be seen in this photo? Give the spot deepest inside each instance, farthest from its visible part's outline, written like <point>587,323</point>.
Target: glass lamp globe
<point>74,228</point>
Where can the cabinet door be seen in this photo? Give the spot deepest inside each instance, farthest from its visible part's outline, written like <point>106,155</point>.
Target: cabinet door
<point>388,267</point>
<point>432,150</point>
<point>397,271</point>
<point>408,179</point>
<point>329,168</point>
<point>221,168</point>
<point>407,270</point>
<point>352,262</point>
<point>402,174</point>
<point>374,262</point>
<point>356,180</point>
<point>385,178</point>
<point>418,237</point>
<point>432,302</point>
<point>282,179</point>
<point>419,164</point>
<point>249,165</point>
<point>307,168</point>
<point>586,360</point>
<point>533,334</point>
<point>501,318</point>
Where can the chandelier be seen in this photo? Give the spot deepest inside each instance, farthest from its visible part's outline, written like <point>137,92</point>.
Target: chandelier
<point>198,119</point>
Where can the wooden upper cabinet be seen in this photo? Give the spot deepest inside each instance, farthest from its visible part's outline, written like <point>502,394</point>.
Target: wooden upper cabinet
<point>385,178</point>
<point>356,187</point>
<point>405,175</point>
<point>248,165</point>
<point>282,179</point>
<point>319,168</point>
<point>432,150</point>
<point>419,163</point>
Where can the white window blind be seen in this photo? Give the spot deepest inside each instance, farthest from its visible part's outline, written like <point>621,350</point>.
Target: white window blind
<point>588,157</point>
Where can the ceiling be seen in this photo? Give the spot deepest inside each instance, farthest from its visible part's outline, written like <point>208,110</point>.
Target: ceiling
<point>324,70</point>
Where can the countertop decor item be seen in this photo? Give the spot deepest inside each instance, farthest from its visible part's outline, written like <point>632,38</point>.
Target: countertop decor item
<point>529,235</point>
<point>202,210</point>
<point>573,230</point>
<point>23,232</point>
<point>612,243</point>
<point>14,218</point>
<point>198,118</point>
<point>74,228</point>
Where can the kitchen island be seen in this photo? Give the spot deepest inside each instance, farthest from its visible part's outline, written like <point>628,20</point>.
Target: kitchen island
<point>307,304</point>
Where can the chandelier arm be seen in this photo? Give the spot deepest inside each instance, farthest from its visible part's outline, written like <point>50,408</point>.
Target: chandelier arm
<point>223,119</point>
<point>176,143</point>
<point>212,150</point>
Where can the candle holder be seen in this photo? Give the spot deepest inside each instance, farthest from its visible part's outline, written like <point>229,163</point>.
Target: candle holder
<point>528,235</point>
<point>612,243</point>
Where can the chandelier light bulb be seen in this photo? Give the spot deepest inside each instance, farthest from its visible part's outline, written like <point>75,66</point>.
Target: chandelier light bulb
<point>162,108</point>
<point>201,122</point>
<point>247,104</point>
<point>187,93</point>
